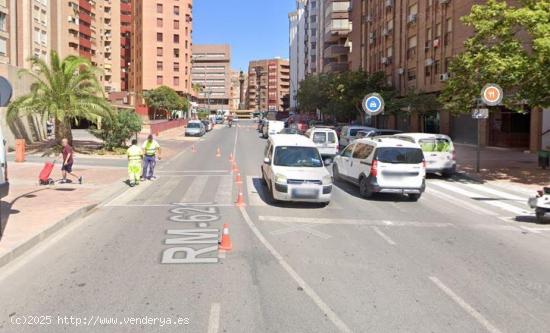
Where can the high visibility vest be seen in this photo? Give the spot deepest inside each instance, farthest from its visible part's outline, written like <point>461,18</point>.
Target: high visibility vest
<point>151,148</point>
<point>134,153</point>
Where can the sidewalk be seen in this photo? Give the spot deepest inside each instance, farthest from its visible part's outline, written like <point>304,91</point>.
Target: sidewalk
<point>31,213</point>
<point>507,166</point>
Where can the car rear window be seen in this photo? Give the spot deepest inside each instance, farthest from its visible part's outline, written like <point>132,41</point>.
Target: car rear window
<point>440,145</point>
<point>319,137</point>
<point>399,155</point>
<point>194,125</point>
<point>331,137</point>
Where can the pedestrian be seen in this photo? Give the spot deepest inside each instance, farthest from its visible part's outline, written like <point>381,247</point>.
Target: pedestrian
<point>49,127</point>
<point>151,149</point>
<point>67,166</point>
<point>135,160</point>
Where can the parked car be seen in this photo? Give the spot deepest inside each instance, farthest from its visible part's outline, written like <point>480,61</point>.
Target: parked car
<point>383,165</point>
<point>325,139</point>
<point>272,127</point>
<point>349,133</point>
<point>294,171</point>
<point>439,151</point>
<point>195,128</point>
<point>207,125</point>
<point>376,132</point>
<point>4,181</point>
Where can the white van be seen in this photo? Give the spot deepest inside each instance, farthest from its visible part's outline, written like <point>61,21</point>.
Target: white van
<point>439,151</point>
<point>294,171</point>
<point>272,127</point>
<point>325,139</point>
<point>4,183</point>
<point>383,165</point>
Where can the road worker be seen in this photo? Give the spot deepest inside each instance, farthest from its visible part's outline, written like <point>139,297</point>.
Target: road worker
<point>151,149</point>
<point>135,158</point>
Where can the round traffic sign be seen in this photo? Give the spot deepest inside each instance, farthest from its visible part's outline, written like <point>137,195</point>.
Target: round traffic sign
<point>492,94</point>
<point>6,91</point>
<point>373,104</point>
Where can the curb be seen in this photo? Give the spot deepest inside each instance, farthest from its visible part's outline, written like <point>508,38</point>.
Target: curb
<point>45,234</point>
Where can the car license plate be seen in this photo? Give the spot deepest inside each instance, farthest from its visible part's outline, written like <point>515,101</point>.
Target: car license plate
<point>305,193</point>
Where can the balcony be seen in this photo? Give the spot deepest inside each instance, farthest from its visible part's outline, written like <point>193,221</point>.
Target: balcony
<point>337,29</point>
<point>337,7</point>
<point>334,51</point>
<point>335,67</point>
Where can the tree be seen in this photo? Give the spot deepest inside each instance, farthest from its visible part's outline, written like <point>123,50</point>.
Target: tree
<point>495,54</point>
<point>165,99</point>
<point>66,90</point>
<point>117,130</point>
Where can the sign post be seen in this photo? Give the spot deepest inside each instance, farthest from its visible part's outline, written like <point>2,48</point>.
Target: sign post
<point>373,104</point>
<point>491,95</point>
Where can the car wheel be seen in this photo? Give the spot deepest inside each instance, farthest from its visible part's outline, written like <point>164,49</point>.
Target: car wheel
<point>414,196</point>
<point>448,173</point>
<point>336,173</point>
<point>539,214</point>
<point>364,188</point>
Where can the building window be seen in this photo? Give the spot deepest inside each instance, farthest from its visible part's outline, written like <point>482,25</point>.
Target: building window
<point>159,22</point>
<point>438,30</point>
<point>159,36</point>
<point>186,45</point>
<point>3,21</point>
<point>159,65</point>
<point>176,24</point>
<point>176,38</point>
<point>176,80</point>
<point>159,79</point>
<point>176,10</point>
<point>3,47</point>
<point>159,51</point>
<point>159,8</point>
<point>411,74</point>
<point>176,67</point>
<point>176,53</point>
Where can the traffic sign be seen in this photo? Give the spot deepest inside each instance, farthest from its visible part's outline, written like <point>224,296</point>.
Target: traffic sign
<point>480,113</point>
<point>492,94</point>
<point>6,91</point>
<point>373,104</point>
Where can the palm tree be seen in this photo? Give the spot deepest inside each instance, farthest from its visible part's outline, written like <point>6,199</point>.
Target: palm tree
<point>65,90</point>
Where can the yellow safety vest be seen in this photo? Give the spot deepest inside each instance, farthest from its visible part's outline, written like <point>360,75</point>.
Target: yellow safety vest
<point>151,148</point>
<point>134,153</point>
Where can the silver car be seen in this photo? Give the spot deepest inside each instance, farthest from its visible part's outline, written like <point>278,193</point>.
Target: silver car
<point>195,128</point>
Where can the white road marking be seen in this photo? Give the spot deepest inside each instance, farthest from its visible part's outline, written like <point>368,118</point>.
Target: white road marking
<point>304,228</point>
<point>197,171</point>
<point>224,191</point>
<point>459,202</point>
<point>465,306</point>
<point>383,235</point>
<point>500,194</point>
<point>195,189</point>
<point>331,315</point>
<point>388,222</point>
<point>167,205</point>
<point>312,220</point>
<point>214,319</point>
<point>221,254</point>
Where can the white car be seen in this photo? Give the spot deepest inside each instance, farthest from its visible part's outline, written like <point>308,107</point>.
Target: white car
<point>272,127</point>
<point>439,151</point>
<point>383,165</point>
<point>294,171</point>
<point>349,133</point>
<point>325,139</point>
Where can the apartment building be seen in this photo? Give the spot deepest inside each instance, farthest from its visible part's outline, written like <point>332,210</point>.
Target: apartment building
<point>125,43</point>
<point>235,92</point>
<point>161,46</point>
<point>211,71</point>
<point>297,49</point>
<point>268,85</point>
<point>336,27</point>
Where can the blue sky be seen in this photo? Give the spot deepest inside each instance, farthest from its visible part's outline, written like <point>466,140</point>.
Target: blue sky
<point>255,29</point>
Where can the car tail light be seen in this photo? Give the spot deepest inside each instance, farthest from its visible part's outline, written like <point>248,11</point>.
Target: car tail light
<point>374,168</point>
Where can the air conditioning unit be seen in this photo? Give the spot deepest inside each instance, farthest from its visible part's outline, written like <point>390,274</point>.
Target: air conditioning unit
<point>385,60</point>
<point>411,18</point>
<point>429,62</point>
<point>400,71</point>
<point>388,3</point>
<point>436,42</point>
<point>443,77</point>
<point>368,18</point>
<point>385,32</point>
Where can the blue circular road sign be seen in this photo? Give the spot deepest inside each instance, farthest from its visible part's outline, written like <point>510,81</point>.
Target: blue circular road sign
<point>373,104</point>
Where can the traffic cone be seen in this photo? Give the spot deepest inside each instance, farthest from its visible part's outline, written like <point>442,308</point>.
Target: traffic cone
<point>240,198</point>
<point>235,168</point>
<point>231,157</point>
<point>238,179</point>
<point>218,152</point>
<point>226,244</point>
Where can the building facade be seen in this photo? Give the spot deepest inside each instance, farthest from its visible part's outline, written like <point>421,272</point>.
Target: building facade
<point>211,73</point>
<point>268,85</point>
<point>125,43</point>
<point>161,46</point>
<point>336,29</point>
<point>297,43</point>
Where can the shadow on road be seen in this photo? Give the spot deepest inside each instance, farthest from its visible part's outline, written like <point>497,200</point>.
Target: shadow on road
<point>382,197</point>
<point>6,209</point>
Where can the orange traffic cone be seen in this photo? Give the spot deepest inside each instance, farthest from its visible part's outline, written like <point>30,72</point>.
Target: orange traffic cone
<point>218,152</point>
<point>226,244</point>
<point>240,198</point>
<point>238,179</point>
<point>231,157</point>
<point>235,168</point>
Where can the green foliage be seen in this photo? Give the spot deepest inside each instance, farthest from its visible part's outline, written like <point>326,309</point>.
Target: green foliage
<point>203,114</point>
<point>166,99</point>
<point>495,54</point>
<point>63,89</point>
<point>120,128</point>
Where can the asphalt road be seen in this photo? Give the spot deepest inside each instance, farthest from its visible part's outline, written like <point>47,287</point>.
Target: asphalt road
<point>465,258</point>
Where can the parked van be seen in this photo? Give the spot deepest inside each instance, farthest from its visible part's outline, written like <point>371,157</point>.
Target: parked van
<point>383,165</point>
<point>439,151</point>
<point>349,133</point>
<point>4,183</point>
<point>325,139</point>
<point>294,171</point>
<point>272,127</point>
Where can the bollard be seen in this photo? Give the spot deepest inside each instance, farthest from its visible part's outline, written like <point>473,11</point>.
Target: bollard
<point>20,150</point>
